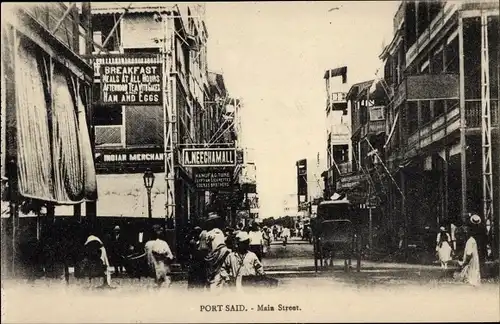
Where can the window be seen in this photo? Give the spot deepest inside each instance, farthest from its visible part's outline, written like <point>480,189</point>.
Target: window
<point>425,112</point>
<point>410,24</point>
<point>412,117</point>
<point>451,56</point>
<point>102,27</point>
<point>108,120</point>
<point>109,115</point>
<point>438,108</point>
<point>423,17</point>
<point>434,9</point>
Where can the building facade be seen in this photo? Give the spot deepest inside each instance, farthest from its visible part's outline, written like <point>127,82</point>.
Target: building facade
<point>441,69</point>
<point>338,116</point>
<point>183,106</point>
<point>47,152</point>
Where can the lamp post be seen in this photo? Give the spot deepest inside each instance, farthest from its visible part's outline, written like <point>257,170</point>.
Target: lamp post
<point>149,180</point>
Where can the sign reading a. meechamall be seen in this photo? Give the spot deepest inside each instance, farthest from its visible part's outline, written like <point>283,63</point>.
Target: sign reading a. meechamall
<point>208,157</point>
<point>131,84</point>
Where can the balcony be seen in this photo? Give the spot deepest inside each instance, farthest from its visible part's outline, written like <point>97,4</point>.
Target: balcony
<point>427,87</point>
<point>434,131</point>
<point>49,14</point>
<point>473,112</point>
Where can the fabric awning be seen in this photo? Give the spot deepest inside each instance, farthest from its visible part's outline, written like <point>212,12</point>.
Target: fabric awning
<point>56,165</point>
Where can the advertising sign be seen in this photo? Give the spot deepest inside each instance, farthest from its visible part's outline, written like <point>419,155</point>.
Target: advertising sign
<point>213,179</point>
<point>109,161</point>
<point>131,84</point>
<point>208,157</point>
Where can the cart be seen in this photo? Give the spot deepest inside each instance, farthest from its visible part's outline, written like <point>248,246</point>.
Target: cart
<point>336,233</point>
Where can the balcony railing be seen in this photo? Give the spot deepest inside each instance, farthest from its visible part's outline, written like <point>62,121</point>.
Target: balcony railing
<point>473,113</point>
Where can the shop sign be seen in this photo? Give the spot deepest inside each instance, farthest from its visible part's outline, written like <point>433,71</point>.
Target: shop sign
<point>131,84</point>
<point>137,159</point>
<point>349,182</point>
<point>213,180</point>
<point>208,157</point>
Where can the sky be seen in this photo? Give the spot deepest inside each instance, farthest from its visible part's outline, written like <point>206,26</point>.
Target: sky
<point>273,56</point>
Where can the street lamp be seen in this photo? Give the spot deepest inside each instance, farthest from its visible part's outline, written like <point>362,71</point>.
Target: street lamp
<point>149,180</point>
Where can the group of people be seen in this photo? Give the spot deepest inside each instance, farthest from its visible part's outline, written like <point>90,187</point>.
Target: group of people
<point>446,247</point>
<point>96,261</point>
<point>224,258</point>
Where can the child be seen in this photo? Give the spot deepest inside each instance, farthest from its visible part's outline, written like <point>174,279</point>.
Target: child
<point>241,262</point>
<point>444,251</point>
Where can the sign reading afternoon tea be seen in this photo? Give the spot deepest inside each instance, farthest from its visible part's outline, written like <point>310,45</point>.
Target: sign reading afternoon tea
<point>131,84</point>
<point>208,157</point>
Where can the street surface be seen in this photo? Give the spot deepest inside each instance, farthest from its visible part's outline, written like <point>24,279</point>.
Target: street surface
<point>380,292</point>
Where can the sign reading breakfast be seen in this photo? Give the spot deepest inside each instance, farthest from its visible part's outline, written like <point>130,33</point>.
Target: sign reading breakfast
<point>131,84</point>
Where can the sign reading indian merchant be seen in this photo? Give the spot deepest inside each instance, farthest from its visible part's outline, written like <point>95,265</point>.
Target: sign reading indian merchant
<point>208,157</point>
<point>131,84</point>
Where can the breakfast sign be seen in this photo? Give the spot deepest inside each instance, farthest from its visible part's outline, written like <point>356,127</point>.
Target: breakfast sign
<point>131,84</point>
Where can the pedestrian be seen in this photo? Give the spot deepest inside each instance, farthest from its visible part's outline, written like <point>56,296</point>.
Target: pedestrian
<point>443,249</point>
<point>275,232</point>
<point>159,257</point>
<point>470,264</point>
<point>118,249</point>
<point>215,259</point>
<point>197,269</point>
<point>401,236</point>
<point>442,235</point>
<point>241,262</point>
<point>453,231</point>
<point>95,262</point>
<point>285,234</point>
<point>266,234</point>
<point>256,240</point>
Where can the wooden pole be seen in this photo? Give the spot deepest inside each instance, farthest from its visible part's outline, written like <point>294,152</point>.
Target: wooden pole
<point>463,143</point>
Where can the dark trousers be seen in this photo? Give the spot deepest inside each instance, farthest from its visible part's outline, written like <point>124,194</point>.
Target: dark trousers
<point>257,249</point>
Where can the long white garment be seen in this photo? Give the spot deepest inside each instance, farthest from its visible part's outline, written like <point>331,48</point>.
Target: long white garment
<point>471,271</point>
<point>444,252</point>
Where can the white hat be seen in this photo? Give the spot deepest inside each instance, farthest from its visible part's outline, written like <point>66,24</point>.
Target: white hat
<point>442,228</point>
<point>242,236</point>
<point>475,219</point>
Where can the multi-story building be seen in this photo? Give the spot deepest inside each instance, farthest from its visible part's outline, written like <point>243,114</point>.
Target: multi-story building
<point>178,104</point>
<point>338,116</point>
<point>442,71</point>
<point>46,152</point>
<point>364,182</point>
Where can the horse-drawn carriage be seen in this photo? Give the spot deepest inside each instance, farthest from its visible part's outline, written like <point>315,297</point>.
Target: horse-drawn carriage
<point>336,232</point>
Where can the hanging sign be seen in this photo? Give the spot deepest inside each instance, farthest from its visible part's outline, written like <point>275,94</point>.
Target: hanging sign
<point>131,84</point>
<point>208,157</point>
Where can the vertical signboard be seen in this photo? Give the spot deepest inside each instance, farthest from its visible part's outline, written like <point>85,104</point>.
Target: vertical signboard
<point>301,182</point>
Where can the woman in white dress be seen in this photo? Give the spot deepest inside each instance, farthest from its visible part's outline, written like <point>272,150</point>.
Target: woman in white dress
<point>470,262</point>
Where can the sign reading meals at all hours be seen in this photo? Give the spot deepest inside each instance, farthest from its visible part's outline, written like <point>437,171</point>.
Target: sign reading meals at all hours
<point>131,84</point>
<point>208,157</point>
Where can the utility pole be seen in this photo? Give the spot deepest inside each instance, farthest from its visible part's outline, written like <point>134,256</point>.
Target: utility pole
<point>169,117</point>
